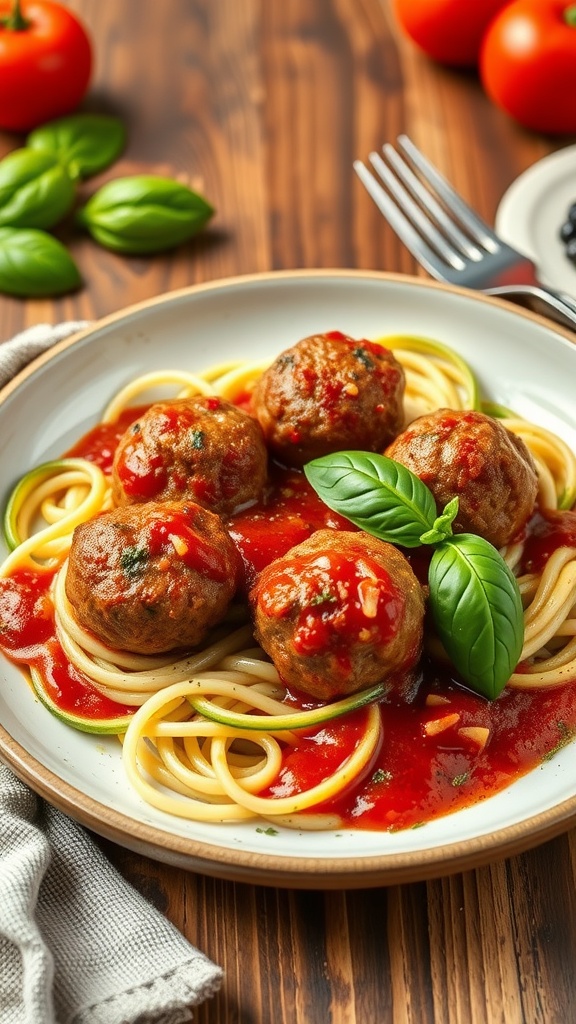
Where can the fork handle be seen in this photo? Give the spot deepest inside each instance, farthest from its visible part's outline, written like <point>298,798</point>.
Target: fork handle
<point>557,307</point>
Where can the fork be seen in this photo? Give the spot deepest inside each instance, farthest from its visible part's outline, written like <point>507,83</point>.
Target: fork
<point>447,237</point>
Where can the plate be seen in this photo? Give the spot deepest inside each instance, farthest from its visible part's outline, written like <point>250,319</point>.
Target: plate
<point>532,211</point>
<point>522,362</point>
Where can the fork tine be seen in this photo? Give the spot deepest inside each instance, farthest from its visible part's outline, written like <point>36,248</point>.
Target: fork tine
<point>400,223</point>
<point>427,200</point>
<point>474,224</point>
<point>419,219</point>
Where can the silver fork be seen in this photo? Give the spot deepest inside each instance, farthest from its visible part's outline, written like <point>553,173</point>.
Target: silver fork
<point>447,237</point>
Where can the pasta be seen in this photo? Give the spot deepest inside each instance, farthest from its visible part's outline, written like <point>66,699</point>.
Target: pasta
<point>184,761</point>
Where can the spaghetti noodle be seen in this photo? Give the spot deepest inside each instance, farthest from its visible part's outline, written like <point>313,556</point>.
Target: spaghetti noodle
<point>177,754</point>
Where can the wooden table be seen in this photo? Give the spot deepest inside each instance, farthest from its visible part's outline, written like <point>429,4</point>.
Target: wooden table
<point>262,105</point>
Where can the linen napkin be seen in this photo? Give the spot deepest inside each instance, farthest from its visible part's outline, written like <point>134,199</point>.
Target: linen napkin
<point>78,944</point>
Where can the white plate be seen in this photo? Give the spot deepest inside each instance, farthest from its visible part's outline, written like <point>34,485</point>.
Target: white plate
<point>521,362</point>
<point>532,211</point>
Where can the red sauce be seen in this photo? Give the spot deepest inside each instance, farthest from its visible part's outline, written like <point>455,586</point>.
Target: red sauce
<point>176,531</point>
<point>339,600</point>
<point>142,478</point>
<point>556,529</point>
<point>289,513</point>
<point>100,443</point>
<point>416,777</point>
<point>27,636</point>
<point>143,472</point>
<point>421,772</point>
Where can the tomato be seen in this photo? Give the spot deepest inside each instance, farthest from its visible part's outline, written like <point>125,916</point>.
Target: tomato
<point>528,64</point>
<point>450,31</point>
<point>45,64</point>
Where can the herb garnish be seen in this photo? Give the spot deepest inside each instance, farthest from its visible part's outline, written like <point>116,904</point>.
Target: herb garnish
<point>460,780</point>
<point>197,439</point>
<point>566,735</point>
<point>363,356</point>
<point>474,598</point>
<point>133,560</point>
<point>324,597</point>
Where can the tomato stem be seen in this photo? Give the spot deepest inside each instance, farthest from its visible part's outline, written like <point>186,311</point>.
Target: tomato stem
<point>16,22</point>
<point>570,15</point>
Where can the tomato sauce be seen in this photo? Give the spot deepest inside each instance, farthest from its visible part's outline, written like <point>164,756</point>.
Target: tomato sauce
<point>28,637</point>
<point>444,747</point>
<point>289,513</point>
<point>418,776</point>
<point>419,773</point>
<point>175,528</point>
<point>100,443</point>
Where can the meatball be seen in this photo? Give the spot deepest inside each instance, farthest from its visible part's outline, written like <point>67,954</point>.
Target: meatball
<point>329,393</point>
<point>339,612</point>
<point>472,456</point>
<point>201,448</point>
<point>153,577</point>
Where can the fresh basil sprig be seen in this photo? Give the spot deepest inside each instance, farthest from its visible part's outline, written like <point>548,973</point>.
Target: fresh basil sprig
<point>36,190</point>
<point>85,143</point>
<point>474,598</point>
<point>375,493</point>
<point>144,213</point>
<point>34,263</point>
<point>477,611</point>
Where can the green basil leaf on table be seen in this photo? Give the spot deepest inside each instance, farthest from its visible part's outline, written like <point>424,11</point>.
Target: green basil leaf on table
<point>375,493</point>
<point>34,264</point>
<point>85,143</point>
<point>36,190</point>
<point>144,214</point>
<point>477,611</point>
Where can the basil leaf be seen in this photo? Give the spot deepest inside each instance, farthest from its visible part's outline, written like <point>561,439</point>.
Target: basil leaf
<point>477,611</point>
<point>85,143</point>
<point>33,264</point>
<point>375,493</point>
<point>144,214</point>
<point>35,190</point>
<point>442,527</point>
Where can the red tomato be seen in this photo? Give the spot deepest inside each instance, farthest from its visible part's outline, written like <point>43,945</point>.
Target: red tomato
<point>528,64</point>
<point>44,67</point>
<point>450,31</point>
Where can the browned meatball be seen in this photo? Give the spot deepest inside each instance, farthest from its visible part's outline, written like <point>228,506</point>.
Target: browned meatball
<point>472,456</point>
<point>329,393</point>
<point>152,577</point>
<point>339,612</point>
<point>202,448</point>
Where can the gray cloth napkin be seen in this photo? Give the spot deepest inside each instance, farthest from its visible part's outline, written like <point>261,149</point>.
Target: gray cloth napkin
<point>20,350</point>
<point>79,945</point>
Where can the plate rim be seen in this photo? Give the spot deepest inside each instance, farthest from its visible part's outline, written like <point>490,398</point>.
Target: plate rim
<point>179,294</point>
<point>237,864</point>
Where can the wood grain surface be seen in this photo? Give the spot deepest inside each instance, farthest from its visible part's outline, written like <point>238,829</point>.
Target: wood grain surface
<point>263,105</point>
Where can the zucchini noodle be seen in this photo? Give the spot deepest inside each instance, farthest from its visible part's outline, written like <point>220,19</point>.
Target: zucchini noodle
<point>209,729</point>
<point>200,775</point>
<point>436,377</point>
<point>63,494</point>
